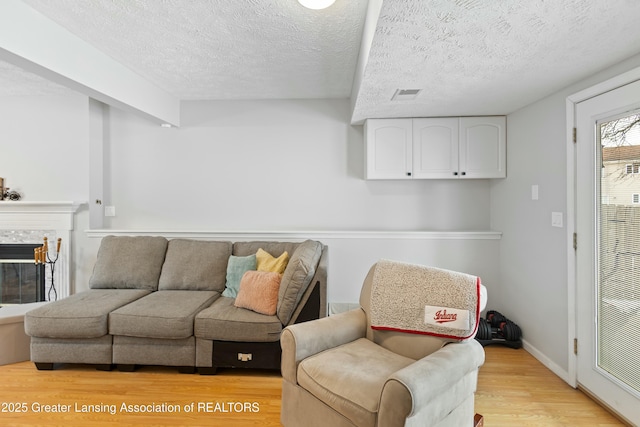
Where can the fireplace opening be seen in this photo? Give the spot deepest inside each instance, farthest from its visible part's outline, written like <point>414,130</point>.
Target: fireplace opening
<point>21,280</point>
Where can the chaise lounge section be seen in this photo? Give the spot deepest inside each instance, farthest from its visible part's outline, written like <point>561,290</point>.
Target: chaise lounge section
<point>154,301</point>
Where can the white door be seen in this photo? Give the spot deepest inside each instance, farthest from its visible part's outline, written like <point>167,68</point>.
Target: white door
<point>435,147</point>
<point>608,253</point>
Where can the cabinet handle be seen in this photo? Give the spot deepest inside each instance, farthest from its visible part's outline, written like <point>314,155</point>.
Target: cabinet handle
<point>455,173</point>
<point>408,173</point>
<point>463,173</point>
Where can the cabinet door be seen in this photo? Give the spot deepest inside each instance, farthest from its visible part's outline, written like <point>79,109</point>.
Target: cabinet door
<point>483,147</point>
<point>388,148</point>
<point>435,147</point>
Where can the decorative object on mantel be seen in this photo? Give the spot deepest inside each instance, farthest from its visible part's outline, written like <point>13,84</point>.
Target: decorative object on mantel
<point>6,194</point>
<point>42,258</point>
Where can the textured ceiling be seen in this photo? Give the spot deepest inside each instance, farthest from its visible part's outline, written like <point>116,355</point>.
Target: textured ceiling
<point>469,57</point>
<point>490,57</point>
<point>223,49</point>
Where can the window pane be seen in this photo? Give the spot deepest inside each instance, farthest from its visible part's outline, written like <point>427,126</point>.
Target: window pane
<point>618,314</point>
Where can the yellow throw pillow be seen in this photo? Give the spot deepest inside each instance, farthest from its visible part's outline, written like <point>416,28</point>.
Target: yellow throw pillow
<point>267,262</point>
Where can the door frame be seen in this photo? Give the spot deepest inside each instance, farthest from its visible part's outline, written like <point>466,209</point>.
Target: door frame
<point>571,101</point>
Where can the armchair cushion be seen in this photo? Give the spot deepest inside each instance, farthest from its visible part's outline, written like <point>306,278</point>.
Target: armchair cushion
<point>305,339</point>
<point>350,378</point>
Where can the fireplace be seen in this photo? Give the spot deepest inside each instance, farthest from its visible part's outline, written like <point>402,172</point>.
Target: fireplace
<point>28,223</point>
<point>21,280</point>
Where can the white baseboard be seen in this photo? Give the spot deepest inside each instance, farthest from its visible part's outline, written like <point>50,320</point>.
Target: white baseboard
<point>548,363</point>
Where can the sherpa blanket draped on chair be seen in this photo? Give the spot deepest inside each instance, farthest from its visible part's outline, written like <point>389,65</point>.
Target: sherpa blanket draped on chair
<point>424,300</point>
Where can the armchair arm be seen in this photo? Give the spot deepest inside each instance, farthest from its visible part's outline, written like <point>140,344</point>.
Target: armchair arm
<point>424,392</point>
<point>305,339</point>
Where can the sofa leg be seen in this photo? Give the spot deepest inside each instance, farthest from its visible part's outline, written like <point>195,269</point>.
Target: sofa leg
<point>186,369</point>
<point>207,371</point>
<point>40,366</point>
<point>104,367</point>
<point>126,368</point>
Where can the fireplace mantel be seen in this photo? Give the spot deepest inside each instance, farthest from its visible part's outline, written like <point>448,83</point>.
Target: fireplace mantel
<point>43,206</point>
<point>29,222</point>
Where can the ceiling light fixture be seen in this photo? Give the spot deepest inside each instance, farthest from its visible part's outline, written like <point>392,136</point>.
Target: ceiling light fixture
<point>316,4</point>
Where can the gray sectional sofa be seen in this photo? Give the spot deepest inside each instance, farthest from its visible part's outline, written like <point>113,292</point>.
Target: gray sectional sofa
<point>154,301</point>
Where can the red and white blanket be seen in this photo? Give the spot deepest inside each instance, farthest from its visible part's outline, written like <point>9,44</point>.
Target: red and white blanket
<point>424,300</point>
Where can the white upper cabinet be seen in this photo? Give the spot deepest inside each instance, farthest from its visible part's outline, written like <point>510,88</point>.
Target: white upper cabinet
<point>483,144</point>
<point>435,143</point>
<point>436,148</point>
<point>389,149</point>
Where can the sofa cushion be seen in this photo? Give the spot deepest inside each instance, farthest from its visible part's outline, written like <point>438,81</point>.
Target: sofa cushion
<point>195,265</point>
<point>236,267</point>
<point>267,262</point>
<point>349,378</point>
<point>225,322</point>
<point>259,292</point>
<point>276,249</point>
<point>82,315</point>
<point>126,262</point>
<point>296,278</point>
<point>161,314</point>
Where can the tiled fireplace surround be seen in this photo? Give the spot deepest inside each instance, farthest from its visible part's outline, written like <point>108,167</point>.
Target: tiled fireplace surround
<point>30,222</point>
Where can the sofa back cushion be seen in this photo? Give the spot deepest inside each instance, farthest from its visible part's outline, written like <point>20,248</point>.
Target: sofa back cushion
<point>126,262</point>
<point>297,277</point>
<point>273,248</point>
<point>195,265</point>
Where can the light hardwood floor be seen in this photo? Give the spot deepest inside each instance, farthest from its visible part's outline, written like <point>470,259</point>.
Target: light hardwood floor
<point>514,390</point>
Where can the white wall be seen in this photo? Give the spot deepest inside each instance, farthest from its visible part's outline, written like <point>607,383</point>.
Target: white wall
<point>43,149</point>
<point>274,165</point>
<point>533,255</point>
<point>290,165</point>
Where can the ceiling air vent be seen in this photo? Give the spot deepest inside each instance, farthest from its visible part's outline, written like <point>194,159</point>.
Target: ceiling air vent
<point>405,94</point>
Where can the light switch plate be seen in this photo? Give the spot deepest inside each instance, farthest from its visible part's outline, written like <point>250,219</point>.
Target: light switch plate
<point>534,192</point>
<point>556,219</point>
<point>109,211</point>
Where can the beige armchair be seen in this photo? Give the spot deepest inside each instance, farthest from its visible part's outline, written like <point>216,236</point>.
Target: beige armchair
<point>339,371</point>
